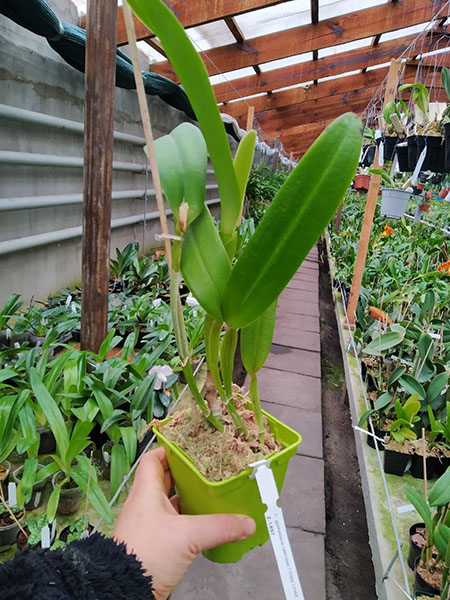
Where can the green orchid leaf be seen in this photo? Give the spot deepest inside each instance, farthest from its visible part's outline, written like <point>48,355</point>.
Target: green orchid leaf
<point>420,505</point>
<point>243,160</point>
<point>436,387</point>
<point>53,501</point>
<point>445,77</point>
<point>78,441</point>
<point>383,400</point>
<point>442,539</point>
<point>412,386</point>
<point>85,477</point>
<point>192,73</point>
<point>396,374</point>
<point>25,487</point>
<point>129,441</point>
<point>227,352</point>
<point>384,342</point>
<point>170,171</point>
<point>205,265</point>
<point>440,492</point>
<point>365,416</point>
<point>256,340</point>
<point>119,467</point>
<point>51,411</point>
<point>301,210</point>
<point>194,160</point>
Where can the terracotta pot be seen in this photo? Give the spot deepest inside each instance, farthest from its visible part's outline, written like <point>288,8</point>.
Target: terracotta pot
<point>424,207</point>
<point>362,182</point>
<point>443,193</point>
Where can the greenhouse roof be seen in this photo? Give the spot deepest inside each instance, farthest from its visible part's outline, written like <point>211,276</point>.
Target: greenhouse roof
<point>299,63</point>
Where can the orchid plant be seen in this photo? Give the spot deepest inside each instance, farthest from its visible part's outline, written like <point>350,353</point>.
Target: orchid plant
<point>238,290</point>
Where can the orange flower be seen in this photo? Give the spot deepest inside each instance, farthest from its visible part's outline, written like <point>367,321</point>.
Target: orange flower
<point>445,267</point>
<point>387,232</point>
<point>379,315</point>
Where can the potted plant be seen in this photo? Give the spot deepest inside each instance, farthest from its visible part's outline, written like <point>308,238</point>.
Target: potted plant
<point>72,473</point>
<point>241,293</point>
<point>433,563</point>
<point>426,129</point>
<point>395,198</point>
<point>445,121</point>
<point>398,450</point>
<point>362,180</point>
<point>11,519</point>
<point>395,115</point>
<point>31,536</point>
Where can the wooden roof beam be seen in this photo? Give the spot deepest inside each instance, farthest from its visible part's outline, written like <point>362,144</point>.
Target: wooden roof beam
<point>191,14</point>
<point>325,89</point>
<point>302,72</point>
<point>238,36</point>
<point>306,38</point>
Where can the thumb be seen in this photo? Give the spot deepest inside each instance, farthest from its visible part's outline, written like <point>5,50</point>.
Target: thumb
<point>209,531</point>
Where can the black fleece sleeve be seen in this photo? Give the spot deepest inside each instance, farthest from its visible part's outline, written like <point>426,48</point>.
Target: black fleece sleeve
<point>93,569</point>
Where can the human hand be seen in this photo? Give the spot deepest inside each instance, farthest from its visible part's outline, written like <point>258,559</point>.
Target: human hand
<point>163,540</point>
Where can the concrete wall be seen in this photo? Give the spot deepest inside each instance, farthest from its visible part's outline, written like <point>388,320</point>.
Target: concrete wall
<point>35,78</point>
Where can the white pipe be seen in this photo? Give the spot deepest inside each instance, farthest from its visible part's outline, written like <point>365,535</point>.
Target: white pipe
<point>30,202</point>
<point>9,157</point>
<point>36,118</point>
<point>51,237</point>
<point>8,204</point>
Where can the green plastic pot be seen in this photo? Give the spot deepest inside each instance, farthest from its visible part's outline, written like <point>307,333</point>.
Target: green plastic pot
<point>238,494</point>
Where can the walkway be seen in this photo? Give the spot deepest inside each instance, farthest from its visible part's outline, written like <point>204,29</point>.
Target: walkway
<point>290,390</point>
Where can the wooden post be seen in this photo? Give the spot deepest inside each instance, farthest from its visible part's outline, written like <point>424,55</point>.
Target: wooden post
<point>100,76</point>
<point>337,220</point>
<point>371,202</point>
<point>250,115</point>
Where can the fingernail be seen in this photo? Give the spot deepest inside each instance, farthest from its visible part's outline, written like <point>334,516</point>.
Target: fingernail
<point>249,527</point>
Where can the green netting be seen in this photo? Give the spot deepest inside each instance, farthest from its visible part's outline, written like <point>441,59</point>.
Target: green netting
<point>69,41</point>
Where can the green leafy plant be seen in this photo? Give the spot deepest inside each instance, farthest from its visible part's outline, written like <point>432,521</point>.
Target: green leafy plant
<point>437,526</point>
<point>420,96</point>
<point>71,439</point>
<point>402,428</point>
<point>236,291</point>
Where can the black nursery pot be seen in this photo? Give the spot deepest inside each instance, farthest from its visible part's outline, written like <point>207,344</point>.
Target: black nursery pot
<point>395,463</point>
<point>414,549</point>
<point>447,147</point>
<point>412,152</point>
<point>435,158</point>
<point>47,442</point>
<point>402,155</point>
<point>420,585</point>
<point>371,441</point>
<point>368,156</point>
<point>416,467</point>
<point>389,146</point>
<point>442,466</point>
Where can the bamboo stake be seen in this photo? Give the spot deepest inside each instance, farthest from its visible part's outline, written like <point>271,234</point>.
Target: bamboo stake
<point>148,134</point>
<point>11,514</point>
<point>371,202</point>
<point>250,115</point>
<point>424,448</point>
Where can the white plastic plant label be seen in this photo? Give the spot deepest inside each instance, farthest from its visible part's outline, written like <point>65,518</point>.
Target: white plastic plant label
<point>277,530</point>
<point>418,166</point>
<point>45,537</point>
<point>381,154</point>
<point>12,494</point>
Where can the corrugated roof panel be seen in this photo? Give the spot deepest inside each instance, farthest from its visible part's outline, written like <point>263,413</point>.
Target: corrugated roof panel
<point>274,18</point>
<point>246,97</point>
<point>210,35</point>
<point>393,35</point>
<point>344,47</point>
<point>332,8</point>
<point>380,66</point>
<point>339,76</point>
<point>230,75</point>
<point>153,55</point>
<point>305,84</point>
<point>285,62</point>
